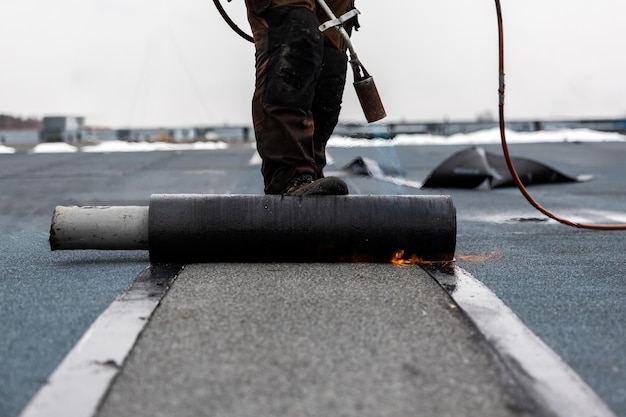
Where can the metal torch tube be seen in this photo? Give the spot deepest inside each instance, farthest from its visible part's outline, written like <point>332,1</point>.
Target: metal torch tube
<point>341,30</point>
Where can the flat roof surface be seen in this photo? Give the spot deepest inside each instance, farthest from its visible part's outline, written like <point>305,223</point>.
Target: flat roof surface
<point>565,284</point>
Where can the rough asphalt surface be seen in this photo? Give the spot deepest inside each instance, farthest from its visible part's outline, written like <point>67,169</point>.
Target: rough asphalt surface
<point>299,339</point>
<point>567,285</point>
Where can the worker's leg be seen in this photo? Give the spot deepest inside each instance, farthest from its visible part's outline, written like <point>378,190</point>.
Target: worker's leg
<point>289,52</point>
<point>329,92</point>
<point>327,102</point>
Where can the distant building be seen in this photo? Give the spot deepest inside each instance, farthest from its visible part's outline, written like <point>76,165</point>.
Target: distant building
<point>62,129</point>
<point>183,135</point>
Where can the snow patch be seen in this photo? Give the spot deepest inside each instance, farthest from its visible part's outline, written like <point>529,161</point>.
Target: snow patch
<point>489,136</point>
<point>121,146</point>
<point>6,149</point>
<point>56,147</point>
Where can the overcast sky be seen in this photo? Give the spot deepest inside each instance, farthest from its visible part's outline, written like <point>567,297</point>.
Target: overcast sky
<point>176,63</point>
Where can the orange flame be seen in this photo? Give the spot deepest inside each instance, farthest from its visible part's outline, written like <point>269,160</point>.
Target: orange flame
<point>399,259</point>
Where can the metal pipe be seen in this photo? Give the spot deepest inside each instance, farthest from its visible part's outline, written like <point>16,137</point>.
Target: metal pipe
<point>342,31</point>
<point>99,227</point>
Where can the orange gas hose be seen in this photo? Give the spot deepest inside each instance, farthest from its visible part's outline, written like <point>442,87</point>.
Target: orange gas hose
<point>505,147</point>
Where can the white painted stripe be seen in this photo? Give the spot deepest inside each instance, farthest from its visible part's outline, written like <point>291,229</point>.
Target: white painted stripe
<point>545,376</point>
<point>80,382</point>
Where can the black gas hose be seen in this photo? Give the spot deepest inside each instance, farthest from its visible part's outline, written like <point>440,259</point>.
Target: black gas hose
<point>230,22</point>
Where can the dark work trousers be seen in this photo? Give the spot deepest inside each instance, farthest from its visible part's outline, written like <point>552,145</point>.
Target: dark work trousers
<point>300,78</point>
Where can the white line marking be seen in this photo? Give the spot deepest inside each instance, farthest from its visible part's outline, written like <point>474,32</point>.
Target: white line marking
<point>80,382</point>
<point>546,377</point>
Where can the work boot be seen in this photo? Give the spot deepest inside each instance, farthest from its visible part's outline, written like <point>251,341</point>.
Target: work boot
<point>303,184</point>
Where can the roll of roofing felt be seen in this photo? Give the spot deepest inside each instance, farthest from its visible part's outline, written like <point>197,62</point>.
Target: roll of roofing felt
<point>249,228</point>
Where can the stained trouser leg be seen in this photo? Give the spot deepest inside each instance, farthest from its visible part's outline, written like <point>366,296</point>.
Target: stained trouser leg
<point>327,102</point>
<point>288,64</point>
<point>329,93</point>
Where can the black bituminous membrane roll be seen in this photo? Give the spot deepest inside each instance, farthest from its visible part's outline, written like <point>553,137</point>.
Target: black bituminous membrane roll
<point>249,228</point>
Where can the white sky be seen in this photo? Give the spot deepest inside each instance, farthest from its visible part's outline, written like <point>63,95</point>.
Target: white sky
<point>176,63</point>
